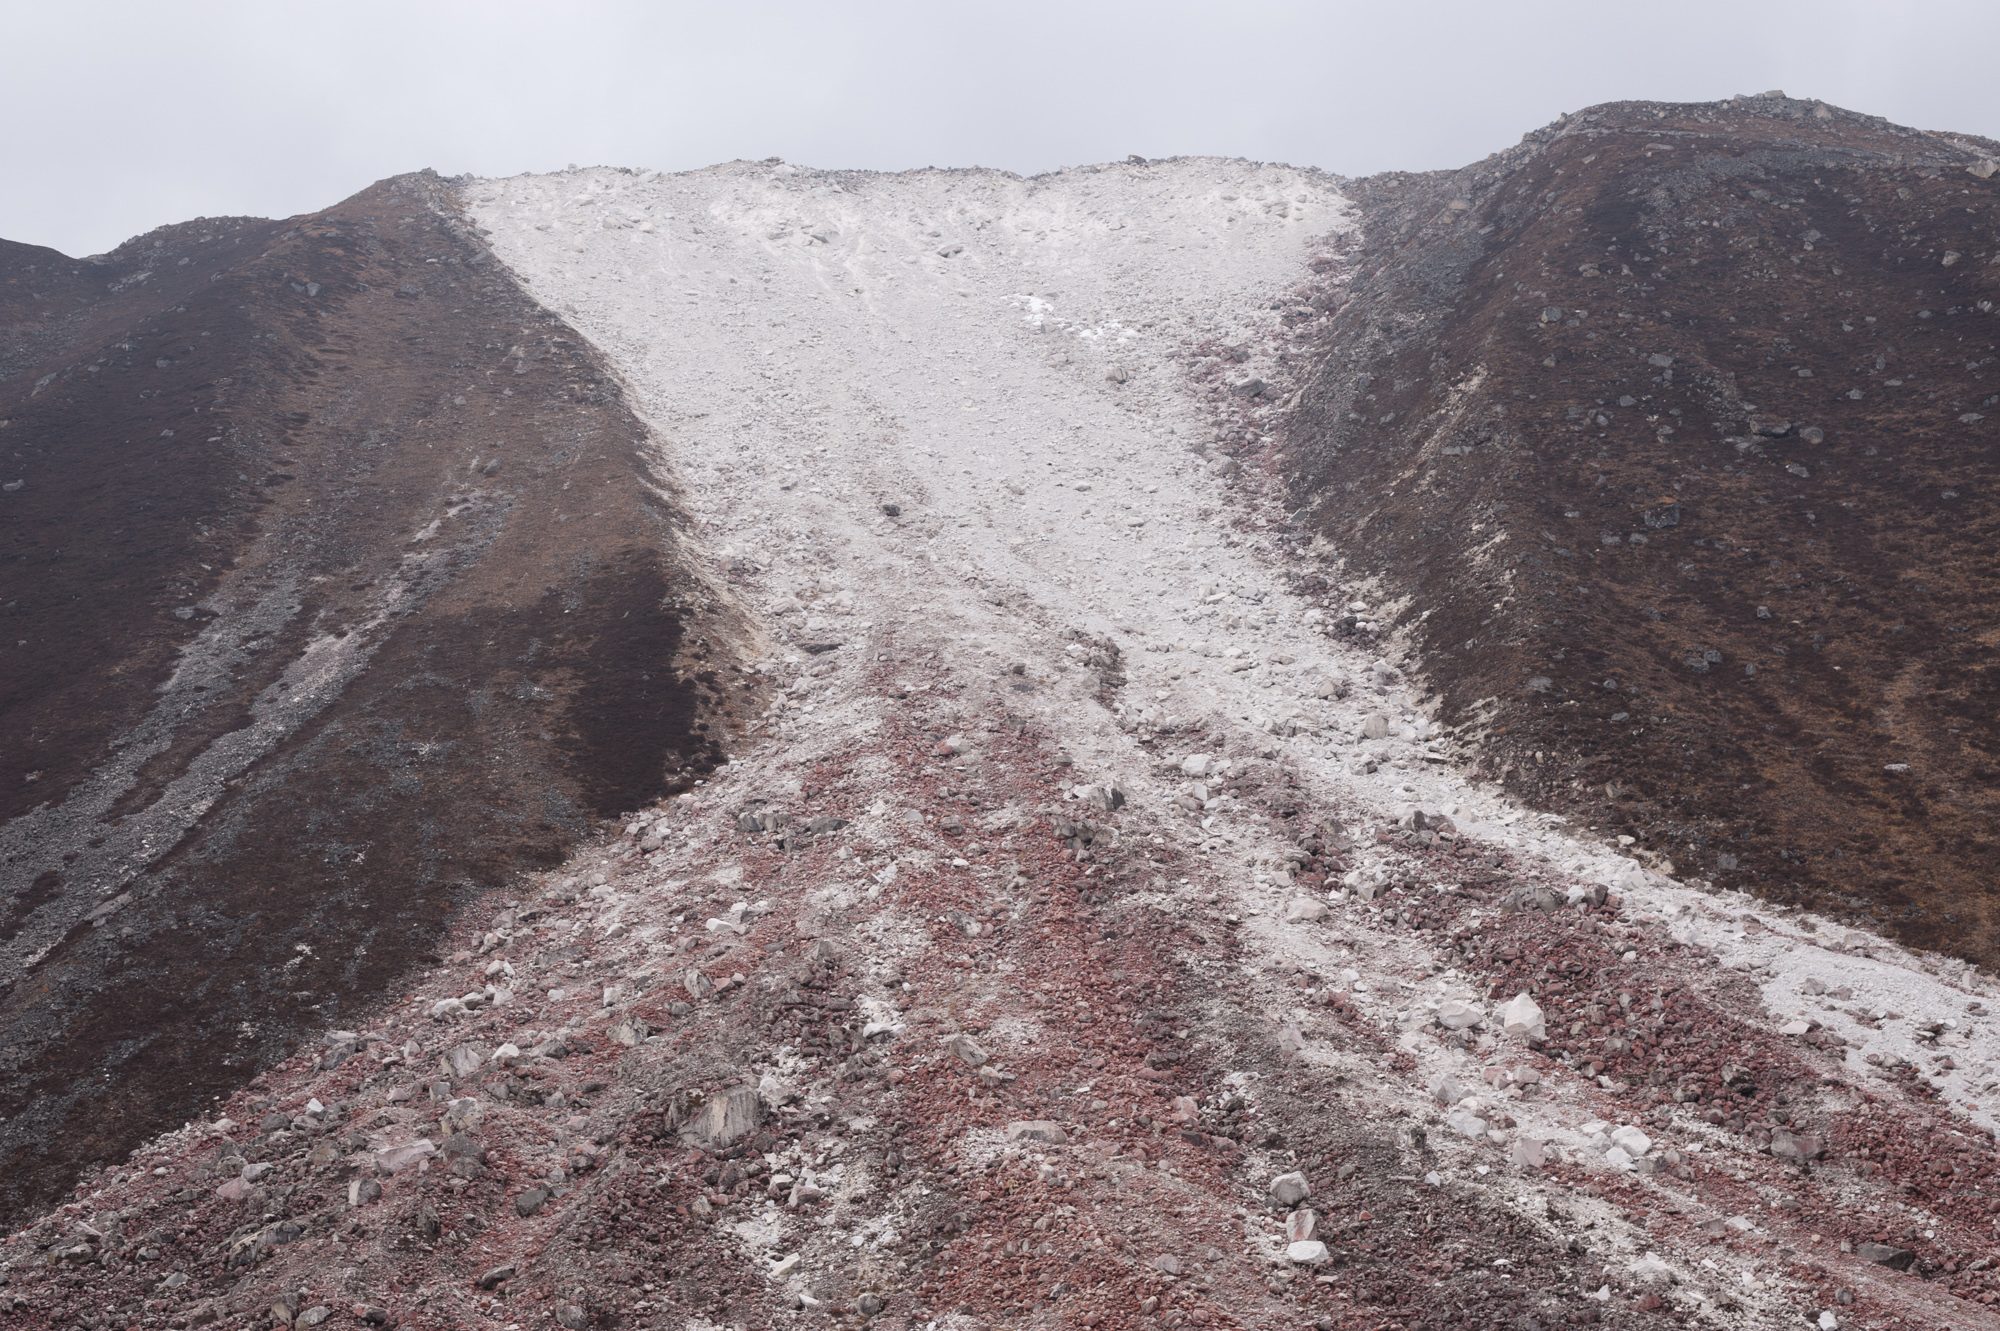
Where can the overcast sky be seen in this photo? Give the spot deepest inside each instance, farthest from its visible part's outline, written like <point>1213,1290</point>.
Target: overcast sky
<point>121,116</point>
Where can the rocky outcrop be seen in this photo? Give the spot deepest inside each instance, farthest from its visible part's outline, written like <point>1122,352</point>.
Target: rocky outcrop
<point>1675,430</point>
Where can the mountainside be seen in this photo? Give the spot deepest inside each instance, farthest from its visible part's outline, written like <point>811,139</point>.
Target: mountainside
<point>1061,879</point>
<point>1674,434</point>
<point>335,586</point>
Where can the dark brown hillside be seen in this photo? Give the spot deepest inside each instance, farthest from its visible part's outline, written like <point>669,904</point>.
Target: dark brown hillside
<point>52,305</point>
<point>335,585</point>
<point>1679,428</point>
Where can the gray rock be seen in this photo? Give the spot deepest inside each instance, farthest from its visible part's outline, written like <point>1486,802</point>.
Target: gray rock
<point>967,1050</point>
<point>1457,1015</point>
<point>1309,1253</point>
<point>396,1159</point>
<point>1290,1189</point>
<point>531,1201</point>
<point>1882,1254</point>
<point>1106,796</point>
<point>463,1061</point>
<point>496,1276</point>
<point>1041,1130</point>
<point>1796,1146</point>
<point>1466,1123</point>
<point>726,1118</point>
<point>1301,910</point>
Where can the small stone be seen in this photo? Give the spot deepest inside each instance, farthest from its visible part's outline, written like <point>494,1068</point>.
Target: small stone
<point>1040,1130</point>
<point>1106,796</point>
<point>1375,726</point>
<point>1301,910</point>
<point>1457,1015</point>
<point>531,1201</point>
<point>1290,1189</point>
<point>396,1159</point>
<point>1883,1254</point>
<point>1522,1017</point>
<point>463,1061</point>
<point>1528,1152</point>
<point>726,1118</point>
<point>967,1051</point>
<point>496,1276</point>
<point>1635,1142</point>
<point>1300,1225</point>
<point>1309,1253</point>
<point>1796,1146</point>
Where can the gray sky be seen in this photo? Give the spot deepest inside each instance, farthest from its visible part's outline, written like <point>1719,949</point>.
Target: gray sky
<point>122,115</point>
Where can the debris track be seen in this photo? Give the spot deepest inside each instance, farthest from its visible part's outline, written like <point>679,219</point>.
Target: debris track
<point>1093,929</point>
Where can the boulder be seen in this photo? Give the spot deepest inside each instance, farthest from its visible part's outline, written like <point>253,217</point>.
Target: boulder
<point>1040,1130</point>
<point>1522,1018</point>
<point>725,1118</point>
<point>1457,1015</point>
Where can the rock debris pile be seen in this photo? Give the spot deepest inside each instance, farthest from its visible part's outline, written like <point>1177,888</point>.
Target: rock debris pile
<point>1093,929</point>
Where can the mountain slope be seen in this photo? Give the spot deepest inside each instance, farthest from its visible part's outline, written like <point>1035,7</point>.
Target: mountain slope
<point>1092,924</point>
<point>1674,434</point>
<point>335,586</point>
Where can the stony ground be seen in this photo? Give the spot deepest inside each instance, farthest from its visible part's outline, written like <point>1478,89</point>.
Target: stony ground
<point>1093,931</point>
<point>316,537</point>
<point>1679,459</point>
